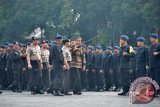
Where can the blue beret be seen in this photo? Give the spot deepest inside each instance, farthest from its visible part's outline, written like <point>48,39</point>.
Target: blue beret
<point>3,46</point>
<point>109,47</point>
<point>58,37</point>
<point>34,38</point>
<point>140,39</point>
<point>65,40</point>
<point>91,47</point>
<point>98,47</point>
<point>10,45</point>
<point>124,37</point>
<point>154,35</point>
<point>83,46</point>
<point>6,43</point>
<point>28,43</point>
<point>15,43</point>
<point>116,47</point>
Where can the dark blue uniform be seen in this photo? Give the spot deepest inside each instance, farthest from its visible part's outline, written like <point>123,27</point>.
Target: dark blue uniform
<point>107,67</point>
<point>17,70</point>
<point>90,58</point>
<point>141,62</point>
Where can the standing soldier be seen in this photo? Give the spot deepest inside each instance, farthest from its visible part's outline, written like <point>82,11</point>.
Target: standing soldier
<point>107,67</point>
<point>45,61</point>
<point>17,67</point>
<point>90,57</point>
<point>99,73</point>
<point>67,60</point>
<point>142,62</point>
<point>125,55</point>
<point>77,65</point>
<point>2,58</point>
<point>154,58</point>
<point>9,65</point>
<point>34,62</point>
<point>58,66</point>
<point>115,68</point>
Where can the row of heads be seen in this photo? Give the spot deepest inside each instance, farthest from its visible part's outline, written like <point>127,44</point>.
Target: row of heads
<point>140,39</point>
<point>59,37</point>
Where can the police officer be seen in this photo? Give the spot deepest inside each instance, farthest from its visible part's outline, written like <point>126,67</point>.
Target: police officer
<point>115,68</point>
<point>98,66</point>
<point>125,55</point>
<point>107,67</point>
<point>154,58</point>
<point>9,65</point>
<point>77,66</point>
<point>45,61</point>
<point>2,69</point>
<point>58,66</point>
<point>90,59</point>
<point>17,67</point>
<point>142,61</point>
<point>67,60</point>
<point>34,63</point>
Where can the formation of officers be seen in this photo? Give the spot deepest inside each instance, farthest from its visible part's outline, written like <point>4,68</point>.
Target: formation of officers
<point>66,66</point>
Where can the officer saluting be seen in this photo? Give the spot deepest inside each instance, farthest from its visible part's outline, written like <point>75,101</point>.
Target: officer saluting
<point>34,63</point>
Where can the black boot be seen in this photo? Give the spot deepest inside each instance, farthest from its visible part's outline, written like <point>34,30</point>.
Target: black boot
<point>57,93</point>
<point>1,92</point>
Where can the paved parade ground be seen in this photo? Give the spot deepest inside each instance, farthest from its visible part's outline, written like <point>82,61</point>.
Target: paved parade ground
<point>88,99</point>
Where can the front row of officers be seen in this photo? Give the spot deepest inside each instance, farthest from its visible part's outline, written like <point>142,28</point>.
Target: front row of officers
<point>64,66</point>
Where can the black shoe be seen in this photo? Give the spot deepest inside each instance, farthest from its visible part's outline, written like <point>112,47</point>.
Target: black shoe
<point>33,92</point>
<point>57,93</point>
<point>49,91</point>
<point>77,93</point>
<point>67,94</point>
<point>122,94</point>
<point>19,91</point>
<point>40,92</point>
<point>1,92</point>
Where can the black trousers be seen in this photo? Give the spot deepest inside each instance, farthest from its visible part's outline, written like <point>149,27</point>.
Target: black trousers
<point>36,76</point>
<point>45,76</point>
<point>66,81</point>
<point>116,78</point>
<point>83,76</point>
<point>141,72</point>
<point>91,79</point>
<point>56,77</point>
<point>108,78</point>
<point>125,79</point>
<point>99,78</point>
<point>75,79</point>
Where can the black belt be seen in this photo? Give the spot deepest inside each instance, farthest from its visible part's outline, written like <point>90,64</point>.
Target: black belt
<point>35,60</point>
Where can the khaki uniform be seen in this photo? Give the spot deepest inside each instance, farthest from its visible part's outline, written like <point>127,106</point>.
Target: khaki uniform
<point>34,54</point>
<point>45,72</point>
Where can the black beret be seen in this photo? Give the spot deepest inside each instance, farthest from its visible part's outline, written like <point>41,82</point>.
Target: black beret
<point>34,38</point>
<point>65,40</point>
<point>15,43</point>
